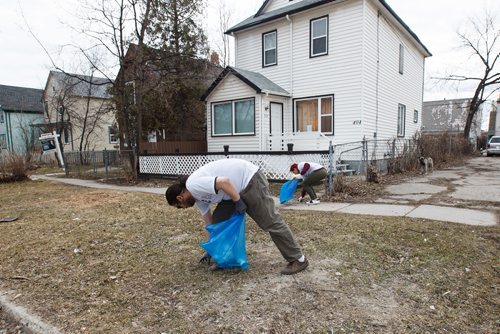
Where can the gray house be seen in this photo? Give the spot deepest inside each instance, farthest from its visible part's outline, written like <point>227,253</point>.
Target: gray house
<point>20,108</point>
<point>449,116</point>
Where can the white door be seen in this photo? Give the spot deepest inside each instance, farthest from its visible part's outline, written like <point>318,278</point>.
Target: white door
<point>276,126</point>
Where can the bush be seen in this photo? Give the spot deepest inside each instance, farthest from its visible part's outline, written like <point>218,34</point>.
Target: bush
<point>13,167</point>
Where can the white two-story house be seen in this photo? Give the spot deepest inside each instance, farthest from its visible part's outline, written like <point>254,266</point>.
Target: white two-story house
<point>310,72</point>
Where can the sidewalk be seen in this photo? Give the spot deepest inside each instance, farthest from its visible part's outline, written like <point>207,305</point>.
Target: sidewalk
<point>432,212</point>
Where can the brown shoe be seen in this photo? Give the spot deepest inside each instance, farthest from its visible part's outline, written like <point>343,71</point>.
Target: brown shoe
<point>295,267</point>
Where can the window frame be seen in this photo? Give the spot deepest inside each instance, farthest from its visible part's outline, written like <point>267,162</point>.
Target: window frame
<point>275,32</point>
<point>311,38</point>
<point>233,118</point>
<point>401,120</point>
<point>3,141</point>
<point>319,99</point>
<point>401,58</point>
<point>112,134</point>
<point>2,119</point>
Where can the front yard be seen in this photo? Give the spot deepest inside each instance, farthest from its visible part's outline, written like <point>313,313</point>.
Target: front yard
<point>97,261</point>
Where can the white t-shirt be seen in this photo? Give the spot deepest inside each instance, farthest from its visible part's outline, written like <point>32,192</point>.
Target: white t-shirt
<point>312,168</point>
<point>201,184</point>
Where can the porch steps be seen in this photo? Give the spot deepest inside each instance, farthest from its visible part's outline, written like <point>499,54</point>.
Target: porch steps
<point>344,170</point>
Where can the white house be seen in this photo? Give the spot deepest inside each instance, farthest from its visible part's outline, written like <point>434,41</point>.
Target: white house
<point>313,71</point>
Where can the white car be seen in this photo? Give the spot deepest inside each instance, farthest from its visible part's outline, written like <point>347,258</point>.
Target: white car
<point>493,146</point>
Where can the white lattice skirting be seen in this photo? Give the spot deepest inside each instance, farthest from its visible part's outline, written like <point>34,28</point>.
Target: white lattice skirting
<point>274,166</point>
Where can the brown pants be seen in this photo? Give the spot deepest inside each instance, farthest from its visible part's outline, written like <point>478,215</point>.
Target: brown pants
<point>261,207</point>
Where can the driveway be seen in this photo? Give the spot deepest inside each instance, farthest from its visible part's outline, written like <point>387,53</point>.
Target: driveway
<point>476,185</point>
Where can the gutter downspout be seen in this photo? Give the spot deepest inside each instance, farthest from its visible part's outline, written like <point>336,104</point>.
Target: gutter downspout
<point>8,129</point>
<point>291,68</point>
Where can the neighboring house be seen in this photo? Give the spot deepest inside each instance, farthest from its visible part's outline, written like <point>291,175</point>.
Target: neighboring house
<point>310,72</point>
<point>494,121</point>
<point>20,108</point>
<point>165,91</point>
<point>450,116</point>
<point>79,107</point>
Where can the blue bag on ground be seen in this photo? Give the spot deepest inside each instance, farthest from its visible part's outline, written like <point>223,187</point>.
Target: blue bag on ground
<point>226,245</point>
<point>287,190</point>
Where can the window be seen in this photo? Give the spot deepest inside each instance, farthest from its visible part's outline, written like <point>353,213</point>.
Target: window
<point>269,49</point>
<point>130,91</point>
<point>1,117</point>
<point>401,120</point>
<point>314,114</point>
<point>319,37</point>
<point>233,118</point>
<point>65,135</point>
<point>401,58</point>
<point>113,134</point>
<point>3,142</point>
<point>415,116</point>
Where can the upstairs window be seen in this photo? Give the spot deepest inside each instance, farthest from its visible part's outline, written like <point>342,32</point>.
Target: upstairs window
<point>269,49</point>
<point>319,37</point>
<point>401,120</point>
<point>113,134</point>
<point>401,58</point>
<point>1,117</point>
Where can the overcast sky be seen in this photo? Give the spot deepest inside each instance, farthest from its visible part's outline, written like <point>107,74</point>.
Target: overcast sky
<point>24,63</point>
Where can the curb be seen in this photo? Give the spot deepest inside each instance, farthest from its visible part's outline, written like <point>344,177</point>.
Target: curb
<point>30,323</point>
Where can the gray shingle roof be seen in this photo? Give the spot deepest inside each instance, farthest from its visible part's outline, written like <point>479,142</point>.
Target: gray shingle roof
<point>257,81</point>
<point>301,6</point>
<point>81,84</point>
<point>21,99</point>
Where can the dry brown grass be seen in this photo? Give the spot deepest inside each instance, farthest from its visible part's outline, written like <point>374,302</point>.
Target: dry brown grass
<point>95,261</point>
<point>12,168</point>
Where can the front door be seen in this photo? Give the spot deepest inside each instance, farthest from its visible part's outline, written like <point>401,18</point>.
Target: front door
<point>276,126</point>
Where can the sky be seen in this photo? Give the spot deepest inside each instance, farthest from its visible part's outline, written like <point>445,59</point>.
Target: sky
<point>24,63</point>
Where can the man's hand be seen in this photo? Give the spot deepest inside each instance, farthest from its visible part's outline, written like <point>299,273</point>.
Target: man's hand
<point>298,177</point>
<point>205,258</point>
<point>240,206</point>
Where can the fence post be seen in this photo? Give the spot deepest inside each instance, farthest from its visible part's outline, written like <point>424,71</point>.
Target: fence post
<point>331,151</point>
<point>93,162</point>
<point>105,158</point>
<point>365,157</point>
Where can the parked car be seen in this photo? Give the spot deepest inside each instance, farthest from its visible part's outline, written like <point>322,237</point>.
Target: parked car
<point>493,146</point>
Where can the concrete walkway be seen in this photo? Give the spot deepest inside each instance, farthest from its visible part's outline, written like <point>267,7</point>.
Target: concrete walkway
<point>402,200</point>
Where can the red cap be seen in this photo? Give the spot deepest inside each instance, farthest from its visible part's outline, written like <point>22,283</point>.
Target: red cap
<point>294,167</point>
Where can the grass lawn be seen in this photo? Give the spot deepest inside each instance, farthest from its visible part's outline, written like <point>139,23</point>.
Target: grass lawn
<point>99,261</point>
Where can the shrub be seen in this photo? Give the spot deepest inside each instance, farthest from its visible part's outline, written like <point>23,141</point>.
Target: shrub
<point>13,167</point>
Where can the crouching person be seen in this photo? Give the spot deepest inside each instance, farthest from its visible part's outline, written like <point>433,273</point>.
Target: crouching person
<point>311,174</point>
<point>236,185</point>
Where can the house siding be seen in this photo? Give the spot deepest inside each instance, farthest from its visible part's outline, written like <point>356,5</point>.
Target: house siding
<point>99,139</point>
<point>338,73</point>
<point>276,4</point>
<point>393,87</point>
<point>232,88</point>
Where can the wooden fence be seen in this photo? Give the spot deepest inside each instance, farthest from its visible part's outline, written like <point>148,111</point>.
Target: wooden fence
<point>174,147</point>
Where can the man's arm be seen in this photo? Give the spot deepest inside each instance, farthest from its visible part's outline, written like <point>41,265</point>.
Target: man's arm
<point>224,183</point>
<point>207,218</point>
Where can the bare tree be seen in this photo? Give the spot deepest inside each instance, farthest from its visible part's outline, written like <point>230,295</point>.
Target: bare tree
<point>223,45</point>
<point>481,38</point>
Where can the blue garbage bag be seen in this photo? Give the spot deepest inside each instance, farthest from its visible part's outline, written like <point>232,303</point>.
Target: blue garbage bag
<point>287,190</point>
<point>226,245</point>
